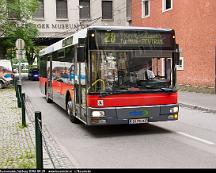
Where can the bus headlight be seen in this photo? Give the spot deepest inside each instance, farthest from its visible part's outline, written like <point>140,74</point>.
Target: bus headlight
<point>98,114</point>
<point>174,109</point>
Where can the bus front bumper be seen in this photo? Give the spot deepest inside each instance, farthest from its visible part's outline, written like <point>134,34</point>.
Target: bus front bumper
<point>132,115</point>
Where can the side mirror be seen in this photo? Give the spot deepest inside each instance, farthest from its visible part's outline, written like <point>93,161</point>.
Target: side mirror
<point>177,55</point>
<point>81,54</point>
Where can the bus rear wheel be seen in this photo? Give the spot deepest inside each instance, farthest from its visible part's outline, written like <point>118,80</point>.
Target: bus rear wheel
<point>48,100</point>
<point>70,112</point>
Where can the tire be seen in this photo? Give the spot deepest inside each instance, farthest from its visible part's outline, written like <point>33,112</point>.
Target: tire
<point>48,100</point>
<point>1,85</point>
<point>70,112</point>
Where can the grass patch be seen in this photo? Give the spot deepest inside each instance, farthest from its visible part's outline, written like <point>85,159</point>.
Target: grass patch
<point>26,164</point>
<point>8,88</point>
<point>197,89</point>
<point>20,126</point>
<point>27,155</point>
<point>25,161</point>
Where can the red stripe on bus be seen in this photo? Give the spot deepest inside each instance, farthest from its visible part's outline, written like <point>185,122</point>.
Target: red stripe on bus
<point>133,100</point>
<point>42,81</point>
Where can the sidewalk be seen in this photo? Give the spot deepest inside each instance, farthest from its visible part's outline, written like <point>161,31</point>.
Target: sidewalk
<point>17,144</point>
<point>204,102</point>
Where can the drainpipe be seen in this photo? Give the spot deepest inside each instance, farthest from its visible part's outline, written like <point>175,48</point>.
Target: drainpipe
<point>215,71</point>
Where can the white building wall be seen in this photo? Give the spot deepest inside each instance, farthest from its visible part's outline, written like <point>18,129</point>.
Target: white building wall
<point>49,26</point>
<point>119,13</point>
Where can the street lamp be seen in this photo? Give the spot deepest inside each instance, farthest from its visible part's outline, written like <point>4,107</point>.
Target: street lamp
<point>80,6</point>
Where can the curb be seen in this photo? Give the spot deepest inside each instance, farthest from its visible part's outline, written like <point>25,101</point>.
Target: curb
<point>198,108</point>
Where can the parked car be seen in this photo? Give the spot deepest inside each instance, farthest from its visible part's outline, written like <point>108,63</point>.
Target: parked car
<point>4,82</point>
<point>6,74</point>
<point>33,74</point>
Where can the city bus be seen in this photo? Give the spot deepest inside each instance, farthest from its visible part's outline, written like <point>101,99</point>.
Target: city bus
<point>98,75</point>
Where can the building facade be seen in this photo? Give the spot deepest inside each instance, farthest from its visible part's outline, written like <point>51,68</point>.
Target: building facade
<point>56,19</point>
<point>59,18</point>
<point>194,23</point>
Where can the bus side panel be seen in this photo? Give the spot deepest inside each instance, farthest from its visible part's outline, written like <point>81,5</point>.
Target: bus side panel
<point>64,89</point>
<point>95,101</point>
<point>56,87</point>
<point>60,90</point>
<point>42,84</point>
<point>67,87</point>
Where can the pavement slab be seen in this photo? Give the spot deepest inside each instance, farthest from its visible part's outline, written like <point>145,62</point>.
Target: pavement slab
<point>16,146</point>
<point>200,101</point>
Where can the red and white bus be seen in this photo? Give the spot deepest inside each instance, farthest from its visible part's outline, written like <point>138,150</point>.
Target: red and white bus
<point>99,75</point>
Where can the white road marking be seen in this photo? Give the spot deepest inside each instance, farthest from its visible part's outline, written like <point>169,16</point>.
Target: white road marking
<point>196,138</point>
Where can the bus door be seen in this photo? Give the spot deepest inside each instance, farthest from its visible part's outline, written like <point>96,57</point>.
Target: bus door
<point>48,87</point>
<point>56,81</point>
<point>164,67</point>
<point>80,91</point>
<point>168,67</point>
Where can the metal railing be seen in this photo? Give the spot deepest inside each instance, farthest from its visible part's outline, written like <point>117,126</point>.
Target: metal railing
<point>40,140</point>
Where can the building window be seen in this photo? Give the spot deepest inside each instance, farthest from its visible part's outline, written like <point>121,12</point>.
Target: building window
<point>84,9</point>
<point>107,10</point>
<point>128,9</point>
<point>180,65</point>
<point>167,5</point>
<point>145,8</point>
<point>61,9</point>
<point>40,11</point>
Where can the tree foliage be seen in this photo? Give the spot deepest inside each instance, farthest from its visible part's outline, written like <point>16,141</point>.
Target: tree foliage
<point>16,22</point>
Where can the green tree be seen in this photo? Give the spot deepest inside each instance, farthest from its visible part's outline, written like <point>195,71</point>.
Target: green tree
<point>16,22</point>
<point>3,16</point>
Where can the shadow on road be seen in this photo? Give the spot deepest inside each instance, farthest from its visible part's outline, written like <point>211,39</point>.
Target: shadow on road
<point>124,130</point>
<point>115,130</point>
<point>99,131</point>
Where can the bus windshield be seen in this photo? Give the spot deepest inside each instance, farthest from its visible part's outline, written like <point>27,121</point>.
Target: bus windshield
<point>130,70</point>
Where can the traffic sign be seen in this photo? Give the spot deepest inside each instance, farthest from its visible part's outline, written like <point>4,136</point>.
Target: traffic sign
<point>20,44</point>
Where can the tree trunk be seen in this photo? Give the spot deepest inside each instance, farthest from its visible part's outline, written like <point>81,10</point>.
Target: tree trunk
<point>30,57</point>
<point>2,52</point>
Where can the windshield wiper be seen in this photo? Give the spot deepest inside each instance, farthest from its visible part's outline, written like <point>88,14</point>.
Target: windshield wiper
<point>104,94</point>
<point>168,90</point>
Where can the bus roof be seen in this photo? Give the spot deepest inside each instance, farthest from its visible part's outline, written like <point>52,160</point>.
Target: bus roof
<point>58,45</point>
<point>127,28</point>
<point>83,33</point>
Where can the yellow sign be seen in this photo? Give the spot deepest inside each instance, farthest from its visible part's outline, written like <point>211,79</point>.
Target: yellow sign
<point>109,37</point>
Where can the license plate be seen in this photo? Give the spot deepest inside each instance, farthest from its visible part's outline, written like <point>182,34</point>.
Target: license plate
<point>138,121</point>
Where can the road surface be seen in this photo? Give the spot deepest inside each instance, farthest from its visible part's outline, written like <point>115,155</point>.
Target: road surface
<point>189,142</point>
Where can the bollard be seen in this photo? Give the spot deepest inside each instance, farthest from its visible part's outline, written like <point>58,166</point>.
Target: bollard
<point>16,88</point>
<point>19,94</point>
<point>14,81</point>
<point>38,140</point>
<point>23,110</point>
<point>15,85</point>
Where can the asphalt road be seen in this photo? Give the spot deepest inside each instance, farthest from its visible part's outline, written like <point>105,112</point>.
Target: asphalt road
<point>189,142</point>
